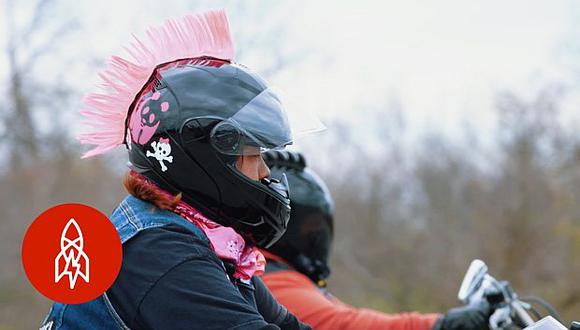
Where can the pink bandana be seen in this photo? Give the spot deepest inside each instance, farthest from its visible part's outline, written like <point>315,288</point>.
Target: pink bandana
<point>226,243</point>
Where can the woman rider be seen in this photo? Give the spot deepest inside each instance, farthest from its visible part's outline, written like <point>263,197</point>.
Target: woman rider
<point>200,202</point>
<point>297,266</point>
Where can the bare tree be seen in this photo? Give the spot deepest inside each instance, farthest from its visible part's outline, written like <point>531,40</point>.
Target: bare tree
<point>404,243</point>
<point>26,46</point>
<point>41,168</point>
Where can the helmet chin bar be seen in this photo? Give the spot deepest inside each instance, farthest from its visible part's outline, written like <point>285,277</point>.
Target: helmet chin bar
<point>275,208</point>
<point>317,270</point>
<point>263,208</point>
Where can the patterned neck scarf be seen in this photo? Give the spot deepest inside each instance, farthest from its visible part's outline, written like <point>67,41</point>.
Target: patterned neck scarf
<point>227,244</point>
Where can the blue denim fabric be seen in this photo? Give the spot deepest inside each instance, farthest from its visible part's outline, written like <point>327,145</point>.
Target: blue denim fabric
<point>130,217</point>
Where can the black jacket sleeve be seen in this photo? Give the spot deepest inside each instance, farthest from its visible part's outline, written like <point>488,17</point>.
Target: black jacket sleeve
<point>170,279</point>
<point>271,310</point>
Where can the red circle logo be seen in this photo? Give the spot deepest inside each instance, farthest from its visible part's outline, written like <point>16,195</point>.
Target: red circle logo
<point>72,253</point>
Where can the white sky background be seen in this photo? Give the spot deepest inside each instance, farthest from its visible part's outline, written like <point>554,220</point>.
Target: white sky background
<point>440,62</point>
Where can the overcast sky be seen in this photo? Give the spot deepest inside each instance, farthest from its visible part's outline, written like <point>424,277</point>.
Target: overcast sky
<point>440,62</point>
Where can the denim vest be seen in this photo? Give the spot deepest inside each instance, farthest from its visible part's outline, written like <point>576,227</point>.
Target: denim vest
<point>130,217</point>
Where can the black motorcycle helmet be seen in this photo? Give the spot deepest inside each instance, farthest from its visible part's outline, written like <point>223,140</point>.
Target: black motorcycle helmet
<point>206,113</point>
<point>307,241</point>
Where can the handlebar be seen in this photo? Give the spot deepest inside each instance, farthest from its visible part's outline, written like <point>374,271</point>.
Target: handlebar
<point>522,314</point>
<point>510,311</point>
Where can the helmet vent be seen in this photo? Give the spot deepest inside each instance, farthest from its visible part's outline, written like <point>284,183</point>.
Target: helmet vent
<point>157,84</point>
<point>285,159</point>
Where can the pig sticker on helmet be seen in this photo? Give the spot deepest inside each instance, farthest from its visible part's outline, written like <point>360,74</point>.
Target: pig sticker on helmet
<point>146,118</point>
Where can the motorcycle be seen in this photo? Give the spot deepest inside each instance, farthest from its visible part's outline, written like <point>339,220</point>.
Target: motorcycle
<point>511,312</point>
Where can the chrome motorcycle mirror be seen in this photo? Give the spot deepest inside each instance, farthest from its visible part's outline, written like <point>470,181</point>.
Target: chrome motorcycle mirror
<point>472,280</point>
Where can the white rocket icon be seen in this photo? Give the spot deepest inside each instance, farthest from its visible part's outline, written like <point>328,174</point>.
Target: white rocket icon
<point>71,260</point>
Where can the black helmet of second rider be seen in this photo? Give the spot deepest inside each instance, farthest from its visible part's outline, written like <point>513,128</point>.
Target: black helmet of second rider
<point>308,238</point>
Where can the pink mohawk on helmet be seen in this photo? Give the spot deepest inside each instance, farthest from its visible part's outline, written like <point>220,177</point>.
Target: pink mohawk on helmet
<point>195,35</point>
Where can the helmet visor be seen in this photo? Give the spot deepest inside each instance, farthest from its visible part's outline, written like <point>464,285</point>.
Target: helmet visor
<point>261,125</point>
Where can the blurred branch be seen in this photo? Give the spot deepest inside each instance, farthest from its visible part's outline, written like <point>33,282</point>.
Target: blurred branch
<point>49,44</point>
<point>38,18</point>
<point>359,270</point>
<point>23,140</point>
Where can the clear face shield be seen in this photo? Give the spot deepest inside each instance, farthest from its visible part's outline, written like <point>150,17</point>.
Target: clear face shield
<point>261,125</point>
<point>264,123</point>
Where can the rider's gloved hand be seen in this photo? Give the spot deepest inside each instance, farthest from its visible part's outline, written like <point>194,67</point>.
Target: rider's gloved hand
<point>473,317</point>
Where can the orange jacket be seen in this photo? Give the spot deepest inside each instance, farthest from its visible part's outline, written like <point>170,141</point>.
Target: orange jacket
<point>323,311</point>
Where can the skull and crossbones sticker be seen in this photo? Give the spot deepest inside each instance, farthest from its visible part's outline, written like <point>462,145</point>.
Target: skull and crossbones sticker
<point>161,151</point>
